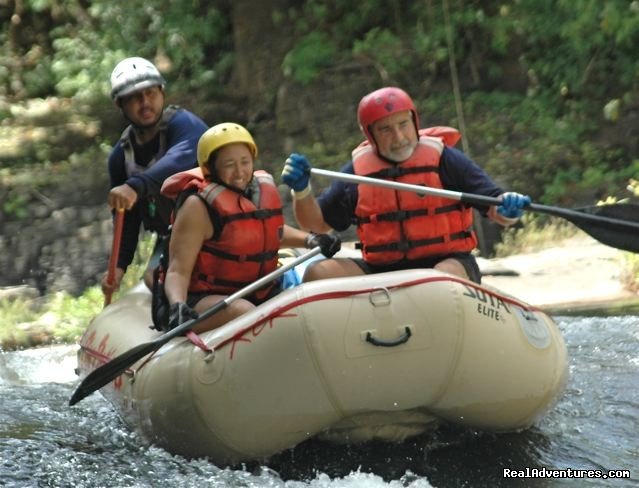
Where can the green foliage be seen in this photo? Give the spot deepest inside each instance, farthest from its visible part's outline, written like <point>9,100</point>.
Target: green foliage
<point>84,44</point>
<point>136,269</point>
<point>592,43</point>
<point>62,316</point>
<point>314,52</point>
<point>71,315</point>
<point>630,275</point>
<point>12,313</point>
<point>15,206</point>
<point>529,146</point>
<point>574,56</point>
<point>574,47</point>
<point>384,49</point>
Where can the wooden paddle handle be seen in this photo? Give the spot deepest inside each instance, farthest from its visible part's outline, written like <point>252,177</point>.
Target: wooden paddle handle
<point>115,251</point>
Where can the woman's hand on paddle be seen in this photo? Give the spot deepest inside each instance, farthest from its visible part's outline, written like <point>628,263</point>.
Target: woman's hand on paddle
<point>179,313</point>
<point>328,243</point>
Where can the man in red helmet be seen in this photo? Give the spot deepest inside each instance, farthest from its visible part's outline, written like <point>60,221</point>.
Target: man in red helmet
<point>400,229</point>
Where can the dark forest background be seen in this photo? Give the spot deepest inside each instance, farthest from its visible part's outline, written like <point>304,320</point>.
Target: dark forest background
<point>546,91</point>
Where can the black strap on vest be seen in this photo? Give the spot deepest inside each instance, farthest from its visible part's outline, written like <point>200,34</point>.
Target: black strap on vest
<point>223,282</point>
<point>259,214</point>
<point>406,245</point>
<point>241,258</point>
<point>398,170</point>
<point>402,215</point>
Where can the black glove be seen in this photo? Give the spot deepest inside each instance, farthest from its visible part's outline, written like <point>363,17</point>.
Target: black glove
<point>328,243</point>
<point>179,313</point>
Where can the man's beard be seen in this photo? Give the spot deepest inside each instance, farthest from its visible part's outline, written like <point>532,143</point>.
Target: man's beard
<point>145,127</point>
<point>401,154</point>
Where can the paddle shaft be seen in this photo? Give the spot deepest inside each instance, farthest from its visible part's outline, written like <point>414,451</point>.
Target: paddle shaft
<point>114,368</point>
<point>115,252</point>
<point>573,216</point>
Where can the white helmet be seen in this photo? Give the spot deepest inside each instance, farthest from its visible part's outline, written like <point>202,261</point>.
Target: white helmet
<point>133,74</point>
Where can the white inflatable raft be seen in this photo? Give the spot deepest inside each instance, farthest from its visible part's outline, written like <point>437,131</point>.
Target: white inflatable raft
<point>354,359</point>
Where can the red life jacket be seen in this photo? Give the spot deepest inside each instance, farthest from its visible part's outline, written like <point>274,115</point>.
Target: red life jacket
<point>246,247</point>
<point>398,225</point>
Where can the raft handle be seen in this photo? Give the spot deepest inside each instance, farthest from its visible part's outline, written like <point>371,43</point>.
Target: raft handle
<point>381,343</point>
<point>380,297</point>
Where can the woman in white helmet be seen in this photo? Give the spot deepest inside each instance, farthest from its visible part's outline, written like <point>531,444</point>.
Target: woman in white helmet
<point>158,142</point>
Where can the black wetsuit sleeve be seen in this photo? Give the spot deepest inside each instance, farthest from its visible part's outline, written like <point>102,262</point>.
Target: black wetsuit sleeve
<point>338,202</point>
<point>460,173</point>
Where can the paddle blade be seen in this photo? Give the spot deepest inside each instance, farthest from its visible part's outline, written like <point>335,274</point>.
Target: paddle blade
<point>612,234</point>
<point>110,371</point>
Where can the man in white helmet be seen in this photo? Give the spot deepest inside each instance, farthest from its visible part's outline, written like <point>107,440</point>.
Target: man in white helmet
<point>159,142</point>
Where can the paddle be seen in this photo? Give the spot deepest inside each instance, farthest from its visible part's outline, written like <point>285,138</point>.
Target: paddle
<point>115,252</point>
<point>619,211</point>
<point>608,224</point>
<point>111,370</point>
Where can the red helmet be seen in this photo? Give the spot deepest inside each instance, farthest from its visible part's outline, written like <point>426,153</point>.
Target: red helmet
<point>379,104</point>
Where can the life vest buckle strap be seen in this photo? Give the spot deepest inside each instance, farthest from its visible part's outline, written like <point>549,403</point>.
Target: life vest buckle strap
<point>398,170</point>
<point>397,216</point>
<point>465,234</point>
<point>448,208</point>
<point>242,258</point>
<point>260,214</point>
<point>404,246</point>
<point>263,214</point>
<point>401,246</point>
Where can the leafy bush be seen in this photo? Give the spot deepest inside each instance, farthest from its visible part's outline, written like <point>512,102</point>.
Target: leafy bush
<point>72,315</point>
<point>312,53</point>
<point>59,316</point>
<point>385,50</point>
<point>83,44</point>
<point>630,275</point>
<point>12,313</point>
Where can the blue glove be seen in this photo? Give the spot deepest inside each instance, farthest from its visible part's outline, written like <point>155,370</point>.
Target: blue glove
<point>296,172</point>
<point>512,205</point>
<point>179,313</point>
<point>328,243</point>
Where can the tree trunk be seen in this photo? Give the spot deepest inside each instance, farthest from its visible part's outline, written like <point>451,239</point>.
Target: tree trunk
<point>260,46</point>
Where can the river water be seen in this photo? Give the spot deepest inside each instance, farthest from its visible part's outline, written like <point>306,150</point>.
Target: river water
<point>45,443</point>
